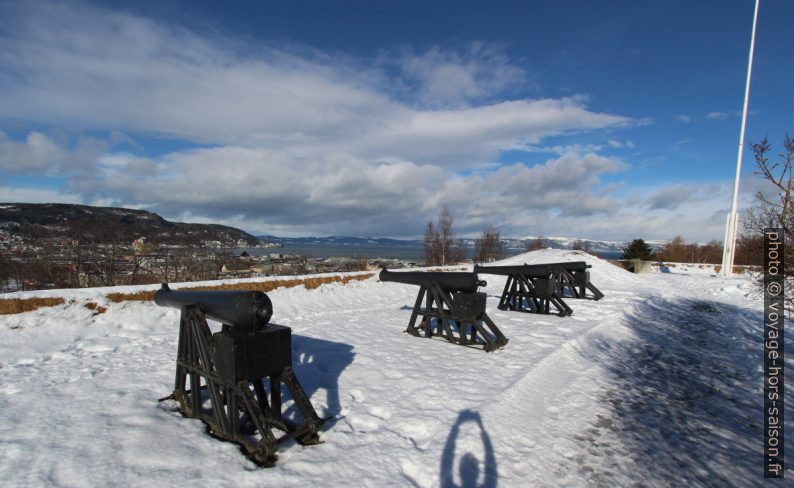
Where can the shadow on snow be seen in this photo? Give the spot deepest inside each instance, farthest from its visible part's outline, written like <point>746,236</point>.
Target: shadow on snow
<point>685,397</point>
<point>470,471</point>
<point>318,364</point>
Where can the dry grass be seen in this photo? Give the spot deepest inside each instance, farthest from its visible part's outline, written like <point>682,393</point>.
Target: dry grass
<point>263,286</point>
<point>737,268</point>
<point>140,296</point>
<point>96,308</point>
<point>19,305</point>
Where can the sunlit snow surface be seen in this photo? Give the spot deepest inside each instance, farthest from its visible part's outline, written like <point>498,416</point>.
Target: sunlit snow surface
<point>658,384</point>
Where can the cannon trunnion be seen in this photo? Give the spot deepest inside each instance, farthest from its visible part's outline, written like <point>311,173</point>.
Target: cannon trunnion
<point>232,379</point>
<point>450,307</point>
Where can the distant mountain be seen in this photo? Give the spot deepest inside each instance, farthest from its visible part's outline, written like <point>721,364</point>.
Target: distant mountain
<point>341,240</point>
<point>27,222</point>
<point>512,243</point>
<point>595,245</point>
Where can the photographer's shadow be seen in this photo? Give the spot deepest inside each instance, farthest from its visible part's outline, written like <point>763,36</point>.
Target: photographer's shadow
<point>472,471</point>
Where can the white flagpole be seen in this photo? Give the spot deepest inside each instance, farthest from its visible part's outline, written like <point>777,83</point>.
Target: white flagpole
<point>729,248</point>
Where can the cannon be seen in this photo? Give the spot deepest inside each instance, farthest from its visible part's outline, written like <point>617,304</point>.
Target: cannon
<point>245,311</point>
<point>530,288</point>
<point>221,377</point>
<point>575,280</point>
<point>450,307</point>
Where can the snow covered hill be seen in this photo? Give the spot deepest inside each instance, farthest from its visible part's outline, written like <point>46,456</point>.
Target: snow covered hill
<point>592,244</point>
<point>658,384</point>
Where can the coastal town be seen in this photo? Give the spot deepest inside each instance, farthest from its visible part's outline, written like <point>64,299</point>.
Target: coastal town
<point>69,263</point>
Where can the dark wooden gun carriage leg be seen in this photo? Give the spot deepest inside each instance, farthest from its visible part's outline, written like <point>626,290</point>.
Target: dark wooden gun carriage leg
<point>532,295</point>
<point>464,325</point>
<point>576,285</point>
<point>238,407</point>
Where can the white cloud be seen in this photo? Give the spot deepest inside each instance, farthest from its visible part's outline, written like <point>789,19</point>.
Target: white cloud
<point>445,78</point>
<point>340,193</point>
<point>695,211</point>
<point>36,195</point>
<point>42,155</point>
<point>722,115</point>
<point>77,65</point>
<point>614,143</point>
<point>671,197</point>
<point>36,154</point>
<point>296,141</point>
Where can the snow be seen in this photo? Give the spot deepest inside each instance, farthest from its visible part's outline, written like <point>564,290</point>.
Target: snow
<point>657,384</point>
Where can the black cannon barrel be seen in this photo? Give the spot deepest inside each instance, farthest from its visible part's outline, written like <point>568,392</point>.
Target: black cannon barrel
<point>452,281</point>
<point>571,265</point>
<point>247,310</point>
<point>529,270</point>
<point>499,270</point>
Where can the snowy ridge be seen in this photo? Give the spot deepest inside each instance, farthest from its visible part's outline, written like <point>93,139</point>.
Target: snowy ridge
<point>656,384</point>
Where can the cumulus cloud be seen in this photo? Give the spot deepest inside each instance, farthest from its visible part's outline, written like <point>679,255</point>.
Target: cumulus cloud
<point>672,196</point>
<point>33,155</point>
<point>297,141</point>
<point>37,195</point>
<point>340,193</point>
<point>82,65</point>
<point>669,198</point>
<point>443,78</point>
<point>39,154</point>
<point>696,211</point>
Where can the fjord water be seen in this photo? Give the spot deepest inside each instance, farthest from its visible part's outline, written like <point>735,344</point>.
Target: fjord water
<point>407,252</point>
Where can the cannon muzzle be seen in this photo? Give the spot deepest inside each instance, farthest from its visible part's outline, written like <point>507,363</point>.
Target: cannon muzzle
<point>242,310</point>
<point>453,281</point>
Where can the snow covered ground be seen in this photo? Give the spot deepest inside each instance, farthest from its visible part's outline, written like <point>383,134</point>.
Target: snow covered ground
<point>657,384</point>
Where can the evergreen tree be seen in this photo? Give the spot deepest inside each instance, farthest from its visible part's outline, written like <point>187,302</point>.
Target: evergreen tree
<point>637,249</point>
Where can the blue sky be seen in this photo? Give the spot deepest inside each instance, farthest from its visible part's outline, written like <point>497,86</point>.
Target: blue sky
<point>608,120</point>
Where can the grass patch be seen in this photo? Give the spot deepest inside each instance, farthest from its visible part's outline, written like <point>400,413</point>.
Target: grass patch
<point>19,305</point>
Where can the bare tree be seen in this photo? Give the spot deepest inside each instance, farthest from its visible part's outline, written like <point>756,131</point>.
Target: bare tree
<point>750,244</point>
<point>779,174</point>
<point>5,273</point>
<point>582,245</point>
<point>775,209</point>
<point>678,251</point>
<point>439,241</point>
<point>537,244</point>
<point>445,235</point>
<point>710,253</point>
<point>489,246</point>
<point>431,238</point>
